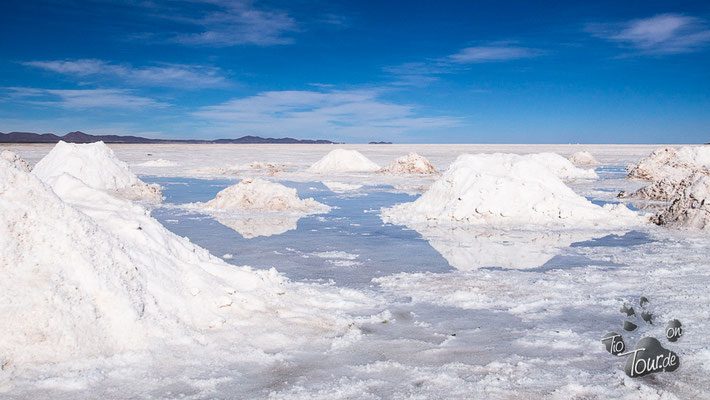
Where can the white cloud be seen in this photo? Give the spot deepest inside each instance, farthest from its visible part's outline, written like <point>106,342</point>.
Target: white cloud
<point>233,23</point>
<point>83,98</point>
<point>176,75</point>
<point>657,35</point>
<point>353,113</point>
<point>491,53</point>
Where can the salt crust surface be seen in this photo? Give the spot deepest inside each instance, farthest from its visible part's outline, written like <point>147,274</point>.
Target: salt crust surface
<point>412,163</point>
<point>97,166</point>
<point>508,189</point>
<point>87,275</point>
<point>344,160</point>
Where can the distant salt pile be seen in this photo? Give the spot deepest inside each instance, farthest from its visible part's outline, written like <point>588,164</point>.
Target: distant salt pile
<point>668,162</point>
<point>583,158</point>
<point>412,163</point>
<point>109,278</point>
<point>503,189</point>
<point>690,207</point>
<point>96,165</point>
<point>341,160</point>
<point>260,195</point>
<point>160,163</point>
<point>15,160</point>
<point>562,167</point>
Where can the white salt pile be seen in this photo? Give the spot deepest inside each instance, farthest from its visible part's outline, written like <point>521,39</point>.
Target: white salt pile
<point>583,158</point>
<point>562,167</point>
<point>690,207</point>
<point>507,189</point>
<point>260,195</point>
<point>86,275</point>
<point>668,162</point>
<point>159,163</point>
<point>15,160</point>
<point>96,165</point>
<point>412,163</point>
<point>344,161</point>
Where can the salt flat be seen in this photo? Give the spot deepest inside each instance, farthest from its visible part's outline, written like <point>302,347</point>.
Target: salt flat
<point>462,312</point>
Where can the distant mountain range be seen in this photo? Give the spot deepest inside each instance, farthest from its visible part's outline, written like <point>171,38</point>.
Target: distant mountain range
<point>81,137</point>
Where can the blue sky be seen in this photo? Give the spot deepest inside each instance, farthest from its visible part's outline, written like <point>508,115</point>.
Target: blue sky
<point>356,71</point>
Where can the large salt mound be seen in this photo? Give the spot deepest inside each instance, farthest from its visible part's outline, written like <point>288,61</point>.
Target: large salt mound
<point>690,207</point>
<point>260,195</point>
<point>583,158</point>
<point>670,163</point>
<point>344,161</point>
<point>96,165</point>
<point>15,160</point>
<point>505,189</point>
<point>561,166</point>
<point>412,163</point>
<point>109,278</point>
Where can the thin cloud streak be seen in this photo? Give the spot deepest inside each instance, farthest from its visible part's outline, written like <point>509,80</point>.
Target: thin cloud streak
<point>658,35</point>
<point>81,99</point>
<point>354,113</point>
<point>170,75</point>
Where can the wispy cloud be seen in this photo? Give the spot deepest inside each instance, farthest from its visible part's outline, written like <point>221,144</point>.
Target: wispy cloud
<point>422,73</point>
<point>350,113</point>
<point>657,35</point>
<point>491,53</point>
<point>174,75</point>
<point>83,98</point>
<point>231,23</point>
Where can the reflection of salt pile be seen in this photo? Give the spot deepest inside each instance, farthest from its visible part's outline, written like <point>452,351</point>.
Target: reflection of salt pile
<point>15,160</point>
<point>507,189</point>
<point>412,163</point>
<point>110,278</point>
<point>344,161</point>
<point>690,205</point>
<point>96,165</point>
<point>583,158</point>
<point>340,187</point>
<point>278,207</point>
<point>159,163</point>
<point>467,248</point>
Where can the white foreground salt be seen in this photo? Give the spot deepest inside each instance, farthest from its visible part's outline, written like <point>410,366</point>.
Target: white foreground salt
<point>96,165</point>
<point>344,160</point>
<point>505,190</point>
<point>88,275</point>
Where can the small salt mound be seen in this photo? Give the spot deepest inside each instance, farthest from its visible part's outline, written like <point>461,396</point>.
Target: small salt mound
<point>260,195</point>
<point>562,167</point>
<point>583,158</point>
<point>158,163</point>
<point>96,165</point>
<point>502,189</point>
<point>344,161</point>
<point>668,162</point>
<point>412,163</point>
<point>664,189</point>
<point>690,207</point>
<point>15,160</point>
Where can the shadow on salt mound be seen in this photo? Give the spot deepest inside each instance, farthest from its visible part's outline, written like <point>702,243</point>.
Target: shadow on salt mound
<point>506,190</point>
<point>273,208</point>
<point>583,158</point>
<point>110,278</point>
<point>96,165</point>
<point>342,160</point>
<point>412,163</point>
